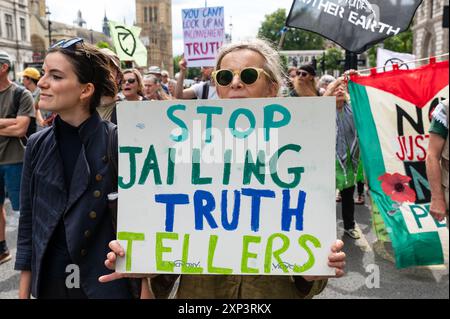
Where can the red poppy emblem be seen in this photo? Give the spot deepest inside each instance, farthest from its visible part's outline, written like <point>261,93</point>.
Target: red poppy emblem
<point>397,188</point>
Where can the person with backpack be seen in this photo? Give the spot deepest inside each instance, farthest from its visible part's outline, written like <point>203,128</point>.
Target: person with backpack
<point>65,223</point>
<point>204,90</point>
<point>16,112</point>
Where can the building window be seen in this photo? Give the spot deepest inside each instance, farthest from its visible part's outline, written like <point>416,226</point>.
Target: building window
<point>145,15</point>
<point>23,30</point>
<point>155,11</point>
<point>9,26</point>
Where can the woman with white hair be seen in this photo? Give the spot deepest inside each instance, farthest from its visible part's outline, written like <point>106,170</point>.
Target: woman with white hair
<point>324,82</point>
<point>243,70</point>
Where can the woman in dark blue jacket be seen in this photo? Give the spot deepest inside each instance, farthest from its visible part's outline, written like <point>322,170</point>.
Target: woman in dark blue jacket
<point>65,225</point>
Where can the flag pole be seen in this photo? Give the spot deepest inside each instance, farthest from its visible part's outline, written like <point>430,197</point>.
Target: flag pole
<point>407,62</point>
<point>283,36</point>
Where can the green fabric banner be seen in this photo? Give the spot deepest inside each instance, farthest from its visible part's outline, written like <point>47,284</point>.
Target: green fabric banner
<point>393,135</point>
<point>127,43</point>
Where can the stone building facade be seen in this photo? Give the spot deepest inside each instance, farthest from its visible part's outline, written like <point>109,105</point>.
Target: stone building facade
<point>40,35</point>
<point>155,19</point>
<point>15,33</point>
<point>430,38</point>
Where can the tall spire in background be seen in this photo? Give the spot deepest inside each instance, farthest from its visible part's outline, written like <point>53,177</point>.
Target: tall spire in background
<point>80,21</point>
<point>106,30</point>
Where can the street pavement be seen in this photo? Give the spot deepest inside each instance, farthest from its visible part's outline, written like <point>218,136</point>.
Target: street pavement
<point>365,259</point>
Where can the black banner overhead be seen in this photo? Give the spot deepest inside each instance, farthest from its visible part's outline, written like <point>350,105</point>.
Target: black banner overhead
<point>356,25</point>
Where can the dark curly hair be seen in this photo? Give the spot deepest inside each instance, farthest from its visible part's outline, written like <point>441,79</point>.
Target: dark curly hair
<point>91,66</point>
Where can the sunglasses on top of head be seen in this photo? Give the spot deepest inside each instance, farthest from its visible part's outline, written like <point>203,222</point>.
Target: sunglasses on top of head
<point>248,76</point>
<point>67,44</point>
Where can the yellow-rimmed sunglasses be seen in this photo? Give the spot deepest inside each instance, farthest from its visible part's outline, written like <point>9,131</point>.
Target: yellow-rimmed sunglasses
<point>248,76</point>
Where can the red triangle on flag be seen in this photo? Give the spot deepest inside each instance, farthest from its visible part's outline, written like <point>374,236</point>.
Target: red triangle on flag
<point>417,86</point>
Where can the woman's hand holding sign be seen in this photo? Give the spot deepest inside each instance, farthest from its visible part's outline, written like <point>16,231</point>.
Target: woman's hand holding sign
<point>336,260</point>
<point>110,263</point>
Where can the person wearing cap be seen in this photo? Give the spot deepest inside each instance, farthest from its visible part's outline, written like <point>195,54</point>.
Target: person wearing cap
<point>30,78</point>
<point>14,121</point>
<point>305,85</point>
<point>156,71</point>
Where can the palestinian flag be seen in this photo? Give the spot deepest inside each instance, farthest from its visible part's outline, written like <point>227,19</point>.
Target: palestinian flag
<point>392,112</point>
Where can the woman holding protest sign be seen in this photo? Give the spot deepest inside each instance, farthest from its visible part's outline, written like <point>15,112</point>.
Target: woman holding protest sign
<point>65,225</point>
<point>243,70</point>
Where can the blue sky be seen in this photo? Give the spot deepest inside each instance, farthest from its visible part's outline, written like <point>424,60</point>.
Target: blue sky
<point>245,15</point>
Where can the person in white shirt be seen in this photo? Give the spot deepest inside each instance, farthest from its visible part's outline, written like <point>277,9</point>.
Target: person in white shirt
<point>204,90</point>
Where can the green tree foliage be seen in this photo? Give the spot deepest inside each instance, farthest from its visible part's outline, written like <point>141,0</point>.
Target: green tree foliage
<point>191,73</point>
<point>284,62</point>
<point>333,56</point>
<point>103,44</point>
<point>402,43</point>
<point>295,39</point>
<point>176,61</point>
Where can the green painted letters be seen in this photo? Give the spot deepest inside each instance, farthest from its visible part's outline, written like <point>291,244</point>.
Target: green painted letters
<point>246,255</point>
<point>212,250</point>
<point>185,131</point>
<point>209,111</point>
<point>151,164</point>
<point>302,241</point>
<point>196,179</point>
<point>276,254</point>
<point>269,118</point>
<point>130,237</point>
<point>185,269</point>
<point>132,151</point>
<point>296,171</point>
<point>162,265</point>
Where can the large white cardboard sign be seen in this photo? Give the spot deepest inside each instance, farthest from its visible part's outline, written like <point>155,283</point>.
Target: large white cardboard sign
<point>228,186</point>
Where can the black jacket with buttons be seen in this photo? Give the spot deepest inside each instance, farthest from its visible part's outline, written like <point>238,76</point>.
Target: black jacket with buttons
<point>45,199</point>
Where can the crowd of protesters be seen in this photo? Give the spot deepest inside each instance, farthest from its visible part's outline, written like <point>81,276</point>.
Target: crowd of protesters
<point>66,170</point>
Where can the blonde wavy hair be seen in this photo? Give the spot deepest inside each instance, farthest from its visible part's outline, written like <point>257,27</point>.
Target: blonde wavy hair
<point>139,79</point>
